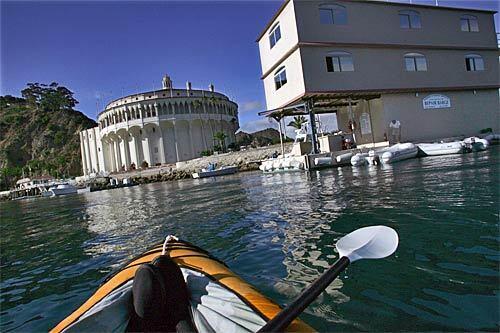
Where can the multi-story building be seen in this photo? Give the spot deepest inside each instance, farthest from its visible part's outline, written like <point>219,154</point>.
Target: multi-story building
<point>157,127</point>
<point>433,69</point>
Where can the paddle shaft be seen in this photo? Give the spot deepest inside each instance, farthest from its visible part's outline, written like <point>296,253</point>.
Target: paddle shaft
<point>306,297</point>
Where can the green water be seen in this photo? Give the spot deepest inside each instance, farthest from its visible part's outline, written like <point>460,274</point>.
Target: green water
<point>278,232</point>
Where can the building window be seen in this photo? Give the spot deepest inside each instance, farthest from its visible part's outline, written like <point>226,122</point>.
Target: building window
<point>415,62</point>
<point>274,35</point>
<point>333,14</point>
<point>280,78</point>
<point>409,19</point>
<point>474,62</point>
<point>469,23</point>
<point>339,62</point>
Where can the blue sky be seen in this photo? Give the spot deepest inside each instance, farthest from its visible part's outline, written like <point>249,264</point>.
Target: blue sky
<point>104,50</point>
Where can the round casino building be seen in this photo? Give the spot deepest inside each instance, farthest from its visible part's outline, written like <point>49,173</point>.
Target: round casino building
<point>157,127</point>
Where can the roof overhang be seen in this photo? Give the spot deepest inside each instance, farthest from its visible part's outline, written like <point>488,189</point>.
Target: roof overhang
<point>323,102</point>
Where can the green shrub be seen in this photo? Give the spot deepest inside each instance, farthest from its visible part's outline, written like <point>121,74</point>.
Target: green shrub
<point>486,130</point>
<point>59,138</point>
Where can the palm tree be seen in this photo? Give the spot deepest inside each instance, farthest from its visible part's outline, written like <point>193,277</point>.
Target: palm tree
<point>297,122</point>
<point>221,138</point>
<point>197,105</point>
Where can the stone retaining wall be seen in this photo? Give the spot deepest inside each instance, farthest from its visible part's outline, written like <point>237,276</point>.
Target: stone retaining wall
<point>246,160</point>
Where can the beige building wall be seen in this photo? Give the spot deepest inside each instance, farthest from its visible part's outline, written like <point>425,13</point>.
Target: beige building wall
<point>374,112</point>
<point>382,68</point>
<point>469,113</point>
<point>294,87</point>
<point>378,23</point>
<point>289,38</point>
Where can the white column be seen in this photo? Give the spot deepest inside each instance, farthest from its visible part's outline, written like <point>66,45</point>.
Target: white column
<point>86,145</point>
<point>138,157</point>
<point>190,130</point>
<point>126,151</point>
<point>107,164</point>
<point>84,160</point>
<point>163,158</point>
<point>112,154</point>
<point>146,148</point>
<point>118,156</point>
<point>176,143</point>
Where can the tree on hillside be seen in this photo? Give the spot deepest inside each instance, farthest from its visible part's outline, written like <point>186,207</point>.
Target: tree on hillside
<point>50,97</point>
<point>297,122</point>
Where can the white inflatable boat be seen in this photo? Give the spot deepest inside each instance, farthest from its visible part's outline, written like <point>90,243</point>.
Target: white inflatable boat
<point>399,152</point>
<point>344,159</point>
<point>282,164</point>
<point>492,138</point>
<point>476,144</point>
<point>445,148</point>
<point>359,159</point>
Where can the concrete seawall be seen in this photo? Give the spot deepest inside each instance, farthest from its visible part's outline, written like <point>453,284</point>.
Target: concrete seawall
<point>246,160</point>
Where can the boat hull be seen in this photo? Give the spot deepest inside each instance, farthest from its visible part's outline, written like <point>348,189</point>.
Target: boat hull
<point>359,159</point>
<point>282,164</point>
<point>219,299</point>
<point>399,152</point>
<point>215,173</point>
<point>435,149</point>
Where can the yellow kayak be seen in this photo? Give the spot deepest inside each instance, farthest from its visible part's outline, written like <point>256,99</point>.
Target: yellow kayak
<point>217,299</point>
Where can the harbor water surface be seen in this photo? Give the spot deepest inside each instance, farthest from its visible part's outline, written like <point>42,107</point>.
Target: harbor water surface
<point>278,231</point>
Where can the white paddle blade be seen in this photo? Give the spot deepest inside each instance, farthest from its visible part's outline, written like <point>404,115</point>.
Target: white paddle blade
<point>368,243</point>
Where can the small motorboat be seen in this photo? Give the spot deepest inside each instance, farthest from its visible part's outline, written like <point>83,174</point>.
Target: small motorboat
<point>399,152</point>
<point>476,144</point>
<point>60,189</point>
<point>83,190</point>
<point>444,148</point>
<point>186,285</point>
<point>212,172</point>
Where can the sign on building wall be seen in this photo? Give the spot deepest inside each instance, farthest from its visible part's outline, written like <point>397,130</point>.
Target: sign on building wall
<point>364,122</point>
<point>436,102</point>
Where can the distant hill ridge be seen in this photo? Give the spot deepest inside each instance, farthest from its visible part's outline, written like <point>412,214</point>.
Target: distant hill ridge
<point>39,134</point>
<point>260,138</point>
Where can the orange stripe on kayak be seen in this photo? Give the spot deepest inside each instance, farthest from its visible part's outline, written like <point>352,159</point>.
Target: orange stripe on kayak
<point>197,261</point>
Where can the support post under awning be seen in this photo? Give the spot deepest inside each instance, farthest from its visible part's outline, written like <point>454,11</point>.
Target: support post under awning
<point>312,119</point>
<point>281,135</point>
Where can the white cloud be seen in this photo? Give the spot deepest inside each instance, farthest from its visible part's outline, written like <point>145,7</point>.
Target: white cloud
<point>257,125</point>
<point>251,106</point>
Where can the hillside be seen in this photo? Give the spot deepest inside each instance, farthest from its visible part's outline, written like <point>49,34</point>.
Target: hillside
<point>259,139</point>
<point>40,137</point>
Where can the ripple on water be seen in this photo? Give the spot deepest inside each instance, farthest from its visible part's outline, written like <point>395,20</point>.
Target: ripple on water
<point>278,232</point>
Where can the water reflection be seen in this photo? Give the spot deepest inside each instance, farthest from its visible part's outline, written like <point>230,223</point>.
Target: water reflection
<point>278,232</point>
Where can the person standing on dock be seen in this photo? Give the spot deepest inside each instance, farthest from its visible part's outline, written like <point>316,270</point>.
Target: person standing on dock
<point>394,132</point>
